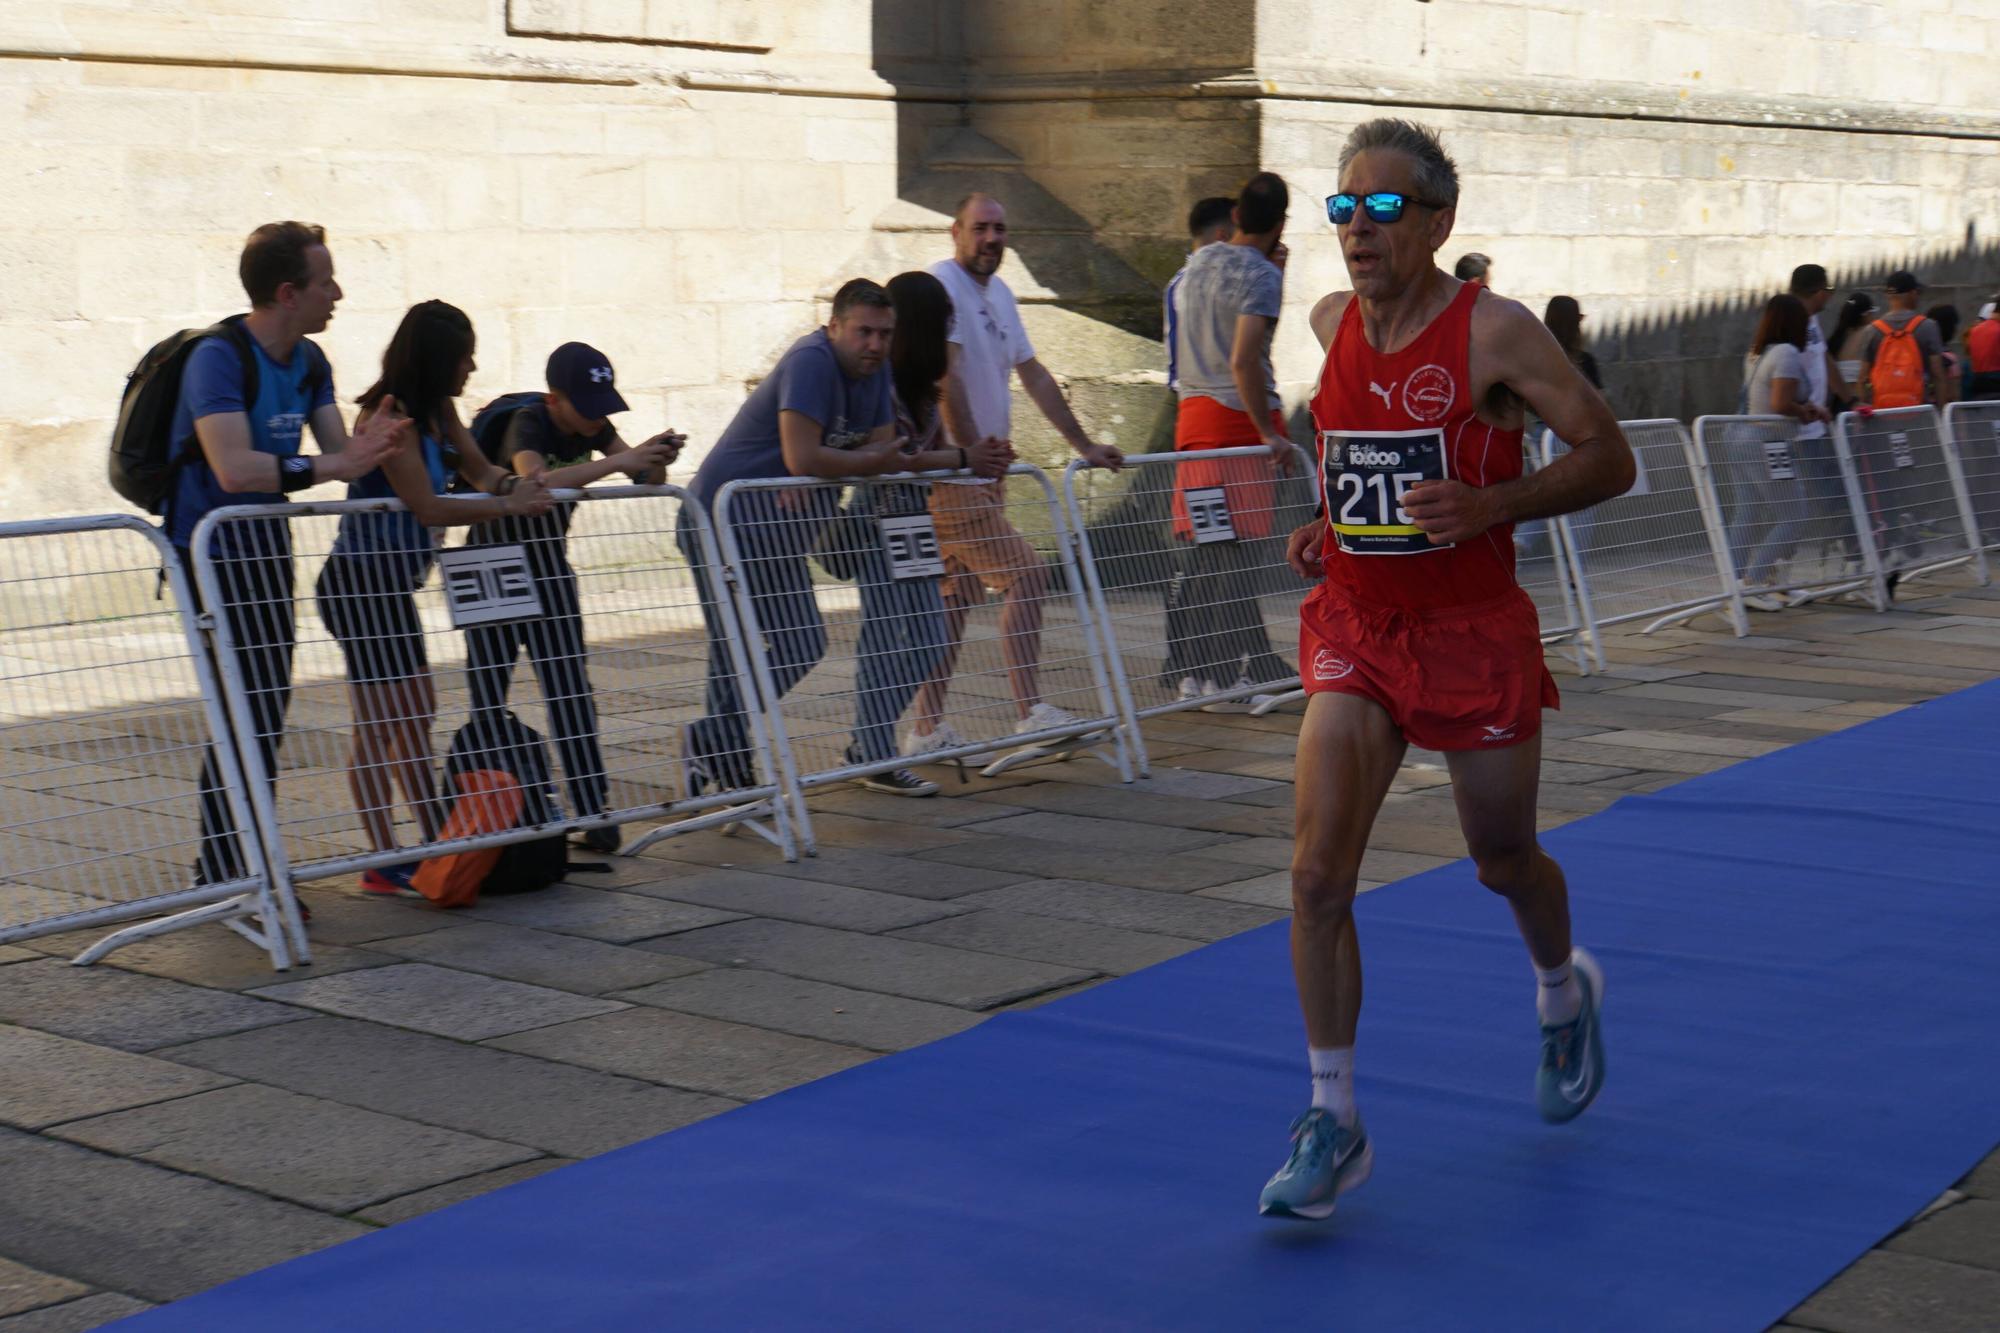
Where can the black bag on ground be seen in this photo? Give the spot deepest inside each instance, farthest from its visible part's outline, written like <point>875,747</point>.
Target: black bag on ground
<point>497,740</point>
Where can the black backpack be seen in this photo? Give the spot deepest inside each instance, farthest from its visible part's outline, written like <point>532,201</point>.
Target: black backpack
<point>145,459</point>
<point>497,740</point>
<point>489,423</point>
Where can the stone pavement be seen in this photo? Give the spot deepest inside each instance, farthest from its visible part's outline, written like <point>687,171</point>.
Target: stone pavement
<point>180,1115</point>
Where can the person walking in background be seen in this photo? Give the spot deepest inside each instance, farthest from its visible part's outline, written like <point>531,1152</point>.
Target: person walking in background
<point>983,551</point>
<point>1850,332</point>
<point>1946,319</point>
<point>367,588</point>
<point>1230,298</point>
<point>1210,222</point>
<point>1982,354</point>
<point>1902,357</point>
<point>1777,375</point>
<point>1475,268</point>
<point>552,438</point>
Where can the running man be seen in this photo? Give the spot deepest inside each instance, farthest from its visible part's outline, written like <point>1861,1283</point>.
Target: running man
<point>1417,631</point>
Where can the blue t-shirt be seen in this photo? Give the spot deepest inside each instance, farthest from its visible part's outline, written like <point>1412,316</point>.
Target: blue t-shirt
<point>808,380</point>
<point>401,548</point>
<point>212,382</point>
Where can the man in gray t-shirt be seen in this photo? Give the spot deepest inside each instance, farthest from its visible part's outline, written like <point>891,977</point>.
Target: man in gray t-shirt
<point>1904,292</point>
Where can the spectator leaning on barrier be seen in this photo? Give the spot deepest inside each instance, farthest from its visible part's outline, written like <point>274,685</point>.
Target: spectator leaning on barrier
<point>367,588</point>
<point>1474,267</point>
<point>1778,371</point>
<point>249,454</point>
<point>1982,354</point>
<point>982,550</point>
<point>1229,297</point>
<point>1850,331</point>
<point>564,439</point>
<point>825,411</point>
<point>1210,222</point>
<point>1902,358</point>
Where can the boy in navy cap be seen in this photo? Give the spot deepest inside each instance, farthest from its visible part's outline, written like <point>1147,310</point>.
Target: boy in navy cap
<point>562,438</point>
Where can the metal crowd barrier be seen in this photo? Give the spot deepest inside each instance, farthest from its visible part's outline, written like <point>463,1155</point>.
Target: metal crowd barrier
<point>1973,431</point>
<point>1909,495</point>
<point>1184,557</point>
<point>1785,519</point>
<point>1651,554</point>
<point>1543,568</point>
<point>407,651</point>
<point>116,799</point>
<point>884,611</point>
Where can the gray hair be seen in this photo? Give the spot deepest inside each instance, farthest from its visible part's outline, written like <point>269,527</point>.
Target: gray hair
<point>1437,174</point>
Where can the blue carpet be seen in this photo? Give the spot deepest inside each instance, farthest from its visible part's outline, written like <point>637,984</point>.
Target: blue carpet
<point>1801,1008</point>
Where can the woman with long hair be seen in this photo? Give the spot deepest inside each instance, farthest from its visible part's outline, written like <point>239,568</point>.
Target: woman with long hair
<point>1775,378</point>
<point>1850,331</point>
<point>1564,318</point>
<point>367,589</point>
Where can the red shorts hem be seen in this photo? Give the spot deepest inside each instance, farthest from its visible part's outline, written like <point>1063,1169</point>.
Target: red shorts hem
<point>1467,678</point>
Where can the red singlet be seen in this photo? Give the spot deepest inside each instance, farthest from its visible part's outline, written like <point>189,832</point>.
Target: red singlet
<point>1442,637</point>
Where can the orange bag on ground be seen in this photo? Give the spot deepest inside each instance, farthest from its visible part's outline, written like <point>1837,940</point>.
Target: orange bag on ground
<point>488,802</point>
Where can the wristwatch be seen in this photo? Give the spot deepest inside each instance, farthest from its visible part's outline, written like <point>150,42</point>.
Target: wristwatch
<point>295,473</point>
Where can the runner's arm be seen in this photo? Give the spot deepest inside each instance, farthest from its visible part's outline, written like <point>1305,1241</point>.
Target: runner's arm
<point>1524,356</point>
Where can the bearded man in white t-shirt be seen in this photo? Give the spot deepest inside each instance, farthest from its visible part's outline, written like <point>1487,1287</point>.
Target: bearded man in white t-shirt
<point>982,550</point>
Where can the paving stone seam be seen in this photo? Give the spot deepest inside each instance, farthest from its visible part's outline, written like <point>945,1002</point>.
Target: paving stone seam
<point>232,1082</point>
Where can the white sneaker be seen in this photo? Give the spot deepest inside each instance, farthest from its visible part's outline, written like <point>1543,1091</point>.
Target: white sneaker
<point>1194,687</point>
<point>1237,705</point>
<point>946,737</point>
<point>1044,717</point>
<point>1764,602</point>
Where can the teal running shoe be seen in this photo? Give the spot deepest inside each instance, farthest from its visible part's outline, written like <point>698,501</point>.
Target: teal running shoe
<point>1572,1071</point>
<point>1328,1159</point>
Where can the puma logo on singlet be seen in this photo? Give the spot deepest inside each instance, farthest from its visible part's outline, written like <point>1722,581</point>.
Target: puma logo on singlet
<point>1375,388</point>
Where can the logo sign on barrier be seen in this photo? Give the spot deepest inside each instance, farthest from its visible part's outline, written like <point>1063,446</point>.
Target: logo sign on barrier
<point>486,585</point>
<point>1208,515</point>
<point>911,544</point>
<point>1899,448</point>
<point>1778,460</point>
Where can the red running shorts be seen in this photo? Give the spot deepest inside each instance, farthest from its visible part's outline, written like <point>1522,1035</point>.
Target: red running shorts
<point>1462,678</point>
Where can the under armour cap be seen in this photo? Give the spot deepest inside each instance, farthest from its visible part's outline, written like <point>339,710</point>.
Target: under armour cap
<point>582,374</point>
<point>1902,280</point>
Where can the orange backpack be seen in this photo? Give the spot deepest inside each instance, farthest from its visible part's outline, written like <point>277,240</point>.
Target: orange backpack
<point>489,801</point>
<point>1898,373</point>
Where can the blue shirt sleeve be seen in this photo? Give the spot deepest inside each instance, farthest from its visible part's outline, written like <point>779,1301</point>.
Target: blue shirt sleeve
<point>322,396</point>
<point>809,384</point>
<point>212,380</point>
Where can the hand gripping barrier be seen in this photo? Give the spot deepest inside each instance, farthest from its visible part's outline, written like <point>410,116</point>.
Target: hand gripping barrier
<point>120,796</point>
<point>1184,557</point>
<point>1909,495</point>
<point>947,610</point>
<point>358,657</point>
<point>1784,512</point>
<point>1655,552</point>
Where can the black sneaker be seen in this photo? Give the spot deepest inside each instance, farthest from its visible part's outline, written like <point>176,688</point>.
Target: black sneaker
<point>604,839</point>
<point>898,782</point>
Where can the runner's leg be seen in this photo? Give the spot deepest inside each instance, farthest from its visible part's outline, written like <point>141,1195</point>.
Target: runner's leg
<point>1495,793</point>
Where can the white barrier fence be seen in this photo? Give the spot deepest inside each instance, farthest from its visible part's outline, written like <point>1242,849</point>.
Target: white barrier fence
<point>1973,432</point>
<point>159,760</point>
<point>951,603</point>
<point>116,799</point>
<point>349,672</point>
<point>1909,495</point>
<point>1184,558</point>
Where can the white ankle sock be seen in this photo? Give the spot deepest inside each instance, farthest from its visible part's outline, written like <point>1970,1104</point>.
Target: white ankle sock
<point>1333,1080</point>
<point>1559,999</point>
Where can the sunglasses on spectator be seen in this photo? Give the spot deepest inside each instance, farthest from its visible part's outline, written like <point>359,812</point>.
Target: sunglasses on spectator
<point>1384,206</point>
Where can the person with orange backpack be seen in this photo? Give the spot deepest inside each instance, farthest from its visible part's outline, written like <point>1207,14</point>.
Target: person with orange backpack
<point>1902,361</point>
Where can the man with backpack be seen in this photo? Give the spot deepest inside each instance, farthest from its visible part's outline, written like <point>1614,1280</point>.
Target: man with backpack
<point>1902,361</point>
<point>216,417</point>
<point>552,437</point>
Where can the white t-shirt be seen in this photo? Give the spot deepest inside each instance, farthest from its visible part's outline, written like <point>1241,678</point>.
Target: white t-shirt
<point>986,325</point>
<point>1817,384</point>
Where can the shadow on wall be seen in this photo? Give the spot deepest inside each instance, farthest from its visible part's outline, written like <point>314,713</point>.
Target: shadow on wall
<point>1689,362</point>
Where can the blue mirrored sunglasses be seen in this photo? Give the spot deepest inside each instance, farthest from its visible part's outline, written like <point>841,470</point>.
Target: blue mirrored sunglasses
<point>1385,206</point>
